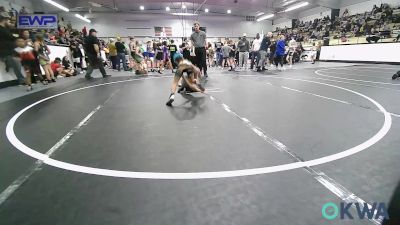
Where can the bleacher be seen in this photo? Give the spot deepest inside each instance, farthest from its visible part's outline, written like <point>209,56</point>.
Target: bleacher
<point>337,36</point>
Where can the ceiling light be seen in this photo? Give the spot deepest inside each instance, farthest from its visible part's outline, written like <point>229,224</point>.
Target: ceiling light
<point>167,9</point>
<point>260,14</point>
<point>183,6</point>
<point>57,5</point>
<point>297,6</point>
<point>289,2</point>
<point>83,18</point>
<point>228,11</point>
<point>206,10</point>
<point>265,17</point>
<point>141,7</point>
<point>184,14</point>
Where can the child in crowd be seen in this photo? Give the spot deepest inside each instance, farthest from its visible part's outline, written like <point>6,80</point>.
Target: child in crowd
<point>28,60</point>
<point>59,69</point>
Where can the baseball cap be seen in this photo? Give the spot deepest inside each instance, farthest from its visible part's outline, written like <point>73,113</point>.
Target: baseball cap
<point>244,35</point>
<point>92,30</point>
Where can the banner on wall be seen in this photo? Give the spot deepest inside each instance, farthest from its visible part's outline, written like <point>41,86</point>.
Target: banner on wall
<point>163,31</point>
<point>37,21</point>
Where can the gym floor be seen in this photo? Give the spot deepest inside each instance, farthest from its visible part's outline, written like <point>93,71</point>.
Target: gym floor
<point>257,149</point>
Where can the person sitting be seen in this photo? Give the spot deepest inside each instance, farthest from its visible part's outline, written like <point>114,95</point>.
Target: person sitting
<point>58,69</point>
<point>373,36</point>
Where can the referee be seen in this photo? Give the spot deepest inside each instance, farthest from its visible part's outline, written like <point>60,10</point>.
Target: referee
<point>198,39</point>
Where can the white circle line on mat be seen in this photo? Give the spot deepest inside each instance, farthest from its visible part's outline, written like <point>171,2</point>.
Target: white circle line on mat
<point>197,175</point>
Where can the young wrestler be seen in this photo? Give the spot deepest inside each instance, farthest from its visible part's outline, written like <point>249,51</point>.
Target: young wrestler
<point>190,80</point>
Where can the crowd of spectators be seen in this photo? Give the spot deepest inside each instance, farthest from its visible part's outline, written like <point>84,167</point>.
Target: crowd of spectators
<point>379,23</point>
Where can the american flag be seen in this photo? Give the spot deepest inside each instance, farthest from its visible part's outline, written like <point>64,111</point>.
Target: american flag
<point>163,31</point>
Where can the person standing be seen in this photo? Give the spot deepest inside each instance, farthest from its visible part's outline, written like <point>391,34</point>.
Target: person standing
<point>280,52</point>
<point>255,48</point>
<point>218,50</point>
<point>7,45</point>
<point>265,43</point>
<point>121,54</point>
<point>244,48</point>
<point>172,48</point>
<point>92,50</point>
<point>198,39</point>
<point>113,54</point>
<point>43,52</point>
<point>292,49</point>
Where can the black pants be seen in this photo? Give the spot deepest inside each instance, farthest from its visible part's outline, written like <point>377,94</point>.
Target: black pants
<point>172,60</point>
<point>201,58</point>
<point>254,55</point>
<point>94,63</point>
<point>373,38</point>
<point>279,60</point>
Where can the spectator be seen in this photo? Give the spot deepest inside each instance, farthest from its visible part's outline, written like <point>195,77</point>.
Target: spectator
<point>113,54</point>
<point>280,51</point>
<point>255,48</point>
<point>43,52</point>
<point>7,45</point>
<point>265,43</point>
<point>77,56</point>
<point>27,58</point>
<point>58,69</point>
<point>121,50</point>
<point>93,53</point>
<point>243,48</point>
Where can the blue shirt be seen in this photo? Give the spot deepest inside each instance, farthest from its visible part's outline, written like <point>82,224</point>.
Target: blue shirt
<point>280,48</point>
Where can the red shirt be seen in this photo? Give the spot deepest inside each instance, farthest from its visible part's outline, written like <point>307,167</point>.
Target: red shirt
<point>55,66</point>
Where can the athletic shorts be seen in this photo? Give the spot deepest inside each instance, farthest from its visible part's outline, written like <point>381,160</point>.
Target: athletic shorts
<point>160,56</point>
<point>145,54</point>
<point>43,62</point>
<point>151,55</point>
<point>29,64</point>
<point>137,58</point>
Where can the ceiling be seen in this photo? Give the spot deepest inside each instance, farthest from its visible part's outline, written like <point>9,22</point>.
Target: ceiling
<point>216,7</point>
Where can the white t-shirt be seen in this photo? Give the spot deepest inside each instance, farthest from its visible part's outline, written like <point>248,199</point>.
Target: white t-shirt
<point>256,44</point>
<point>292,45</point>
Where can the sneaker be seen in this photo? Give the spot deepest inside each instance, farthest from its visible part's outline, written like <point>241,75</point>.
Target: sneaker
<point>88,77</point>
<point>106,76</point>
<point>29,88</point>
<point>53,80</point>
<point>171,99</point>
<point>180,89</point>
<point>159,71</point>
<point>395,76</point>
<point>259,70</point>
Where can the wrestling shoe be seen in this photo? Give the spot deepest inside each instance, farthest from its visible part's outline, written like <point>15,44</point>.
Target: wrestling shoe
<point>396,75</point>
<point>171,99</point>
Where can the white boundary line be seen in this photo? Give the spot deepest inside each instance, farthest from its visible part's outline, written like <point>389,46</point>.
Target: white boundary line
<point>360,75</point>
<point>318,72</point>
<point>4,195</point>
<point>201,175</point>
<point>324,97</point>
